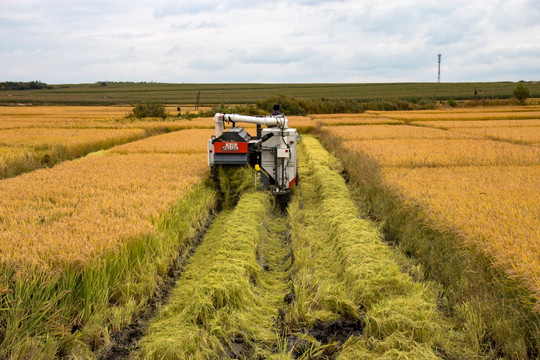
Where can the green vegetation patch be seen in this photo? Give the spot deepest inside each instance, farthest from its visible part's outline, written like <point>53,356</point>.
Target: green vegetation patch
<point>225,304</point>
<point>213,94</point>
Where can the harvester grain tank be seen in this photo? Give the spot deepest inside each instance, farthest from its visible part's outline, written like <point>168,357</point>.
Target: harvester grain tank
<point>272,151</point>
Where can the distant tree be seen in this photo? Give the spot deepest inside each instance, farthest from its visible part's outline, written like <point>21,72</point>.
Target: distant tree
<point>521,92</point>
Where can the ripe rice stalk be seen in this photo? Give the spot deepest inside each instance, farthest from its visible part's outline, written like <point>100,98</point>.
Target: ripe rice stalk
<point>35,148</point>
<point>509,113</point>
<point>376,132</point>
<point>43,138</point>
<point>73,309</point>
<point>450,124</point>
<point>529,135</point>
<point>445,152</point>
<point>106,201</point>
<point>178,142</point>
<point>495,209</point>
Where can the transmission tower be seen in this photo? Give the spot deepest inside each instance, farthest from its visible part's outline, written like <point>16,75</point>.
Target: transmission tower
<point>439,72</point>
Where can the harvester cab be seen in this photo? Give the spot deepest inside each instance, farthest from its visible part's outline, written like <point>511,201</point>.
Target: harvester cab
<point>272,152</point>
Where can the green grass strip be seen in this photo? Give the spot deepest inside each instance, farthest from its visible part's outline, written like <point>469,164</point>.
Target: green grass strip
<point>225,303</point>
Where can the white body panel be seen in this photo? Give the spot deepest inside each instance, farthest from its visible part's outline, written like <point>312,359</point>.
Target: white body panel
<point>279,156</point>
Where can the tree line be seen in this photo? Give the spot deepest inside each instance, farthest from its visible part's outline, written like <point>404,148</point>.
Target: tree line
<point>23,85</point>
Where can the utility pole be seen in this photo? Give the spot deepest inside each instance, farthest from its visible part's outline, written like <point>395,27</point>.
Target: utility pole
<point>439,72</point>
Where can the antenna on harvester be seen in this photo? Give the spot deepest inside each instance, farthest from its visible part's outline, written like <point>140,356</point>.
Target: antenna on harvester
<point>439,73</point>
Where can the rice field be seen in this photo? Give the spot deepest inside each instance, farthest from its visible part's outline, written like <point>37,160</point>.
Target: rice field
<point>418,152</point>
<point>450,124</point>
<point>40,138</point>
<point>184,141</point>
<point>476,186</point>
<point>82,209</point>
<point>376,132</point>
<point>502,221</point>
<point>37,137</point>
<point>496,113</point>
<point>401,244</point>
<point>527,135</point>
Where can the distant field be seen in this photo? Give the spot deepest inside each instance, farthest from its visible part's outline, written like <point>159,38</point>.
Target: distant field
<point>119,93</point>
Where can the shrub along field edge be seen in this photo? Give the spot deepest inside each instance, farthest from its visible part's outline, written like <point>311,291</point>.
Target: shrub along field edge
<point>496,310</point>
<point>72,313</point>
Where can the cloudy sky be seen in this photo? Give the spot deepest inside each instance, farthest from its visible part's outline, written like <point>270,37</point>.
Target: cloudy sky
<point>219,41</point>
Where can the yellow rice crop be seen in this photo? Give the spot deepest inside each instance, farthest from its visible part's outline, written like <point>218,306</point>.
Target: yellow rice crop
<point>468,110</point>
<point>423,115</point>
<point>449,124</point>
<point>88,117</point>
<point>339,119</point>
<point>495,208</point>
<point>36,137</point>
<point>525,135</point>
<point>445,152</point>
<point>36,114</point>
<point>391,132</point>
<point>183,141</point>
<point>81,209</point>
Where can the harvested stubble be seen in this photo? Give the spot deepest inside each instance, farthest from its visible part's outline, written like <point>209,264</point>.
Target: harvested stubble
<point>375,132</point>
<point>401,315</point>
<point>445,152</point>
<point>183,141</point>
<point>225,303</point>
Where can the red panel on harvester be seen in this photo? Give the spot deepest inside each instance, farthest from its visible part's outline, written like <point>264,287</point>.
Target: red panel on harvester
<point>230,147</point>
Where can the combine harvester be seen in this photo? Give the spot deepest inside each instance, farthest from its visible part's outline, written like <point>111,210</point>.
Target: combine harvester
<point>272,152</point>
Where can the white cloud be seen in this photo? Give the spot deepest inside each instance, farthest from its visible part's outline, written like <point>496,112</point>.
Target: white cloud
<point>61,41</point>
